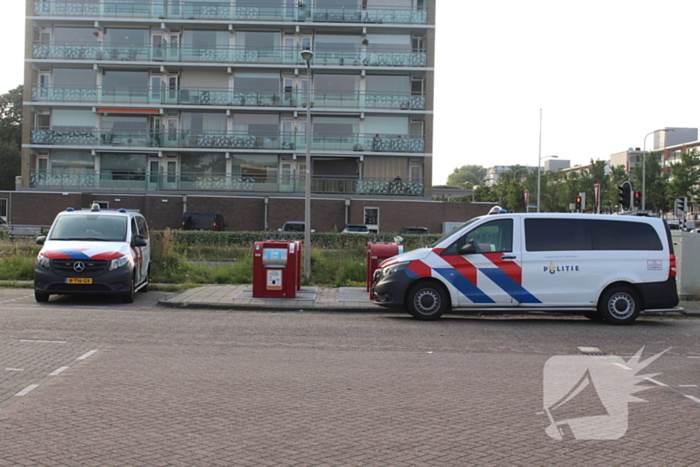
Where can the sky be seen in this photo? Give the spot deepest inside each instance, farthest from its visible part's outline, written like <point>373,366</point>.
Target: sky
<point>603,73</point>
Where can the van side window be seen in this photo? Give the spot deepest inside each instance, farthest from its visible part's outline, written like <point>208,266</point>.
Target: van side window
<point>492,237</point>
<point>586,235</point>
<point>143,227</point>
<point>618,235</point>
<point>134,229</point>
<point>557,235</point>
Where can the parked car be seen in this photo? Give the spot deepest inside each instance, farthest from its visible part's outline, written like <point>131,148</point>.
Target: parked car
<point>606,267</point>
<point>92,251</point>
<point>414,230</point>
<point>203,221</point>
<point>293,226</point>
<point>356,229</point>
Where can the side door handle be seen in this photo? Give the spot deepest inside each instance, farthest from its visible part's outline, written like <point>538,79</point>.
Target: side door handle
<point>508,257</point>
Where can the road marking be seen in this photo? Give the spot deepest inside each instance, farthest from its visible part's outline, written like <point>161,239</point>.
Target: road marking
<point>693,398</point>
<point>26,390</point>
<point>84,356</point>
<point>589,349</point>
<point>58,371</point>
<point>43,342</point>
<point>14,369</point>
<point>624,367</point>
<point>693,356</point>
<point>655,382</point>
<point>687,385</point>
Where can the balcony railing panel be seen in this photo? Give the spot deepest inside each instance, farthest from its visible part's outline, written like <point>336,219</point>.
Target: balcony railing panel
<point>227,11</point>
<point>190,181</point>
<point>239,55</point>
<point>232,140</point>
<point>224,97</point>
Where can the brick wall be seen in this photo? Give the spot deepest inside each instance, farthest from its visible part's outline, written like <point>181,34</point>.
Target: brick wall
<point>240,214</point>
<point>247,213</point>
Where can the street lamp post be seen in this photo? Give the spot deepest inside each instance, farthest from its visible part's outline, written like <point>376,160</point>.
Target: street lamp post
<point>307,55</point>
<point>539,163</point>
<point>644,165</point>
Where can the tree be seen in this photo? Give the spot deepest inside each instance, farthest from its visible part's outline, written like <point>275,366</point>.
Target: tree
<point>654,189</point>
<point>11,116</point>
<point>10,137</point>
<point>686,176</point>
<point>473,174</point>
<point>9,165</point>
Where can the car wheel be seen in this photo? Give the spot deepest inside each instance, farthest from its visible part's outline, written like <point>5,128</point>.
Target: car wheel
<point>620,305</point>
<point>129,296</point>
<point>41,296</point>
<point>426,301</point>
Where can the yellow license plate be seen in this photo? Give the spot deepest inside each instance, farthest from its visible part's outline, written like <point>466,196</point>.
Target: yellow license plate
<point>79,280</point>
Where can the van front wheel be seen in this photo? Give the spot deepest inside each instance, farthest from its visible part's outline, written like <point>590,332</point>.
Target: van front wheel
<point>426,301</point>
<point>620,305</point>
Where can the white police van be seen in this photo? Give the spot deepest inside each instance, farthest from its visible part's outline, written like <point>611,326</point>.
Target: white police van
<point>94,252</point>
<point>606,267</point>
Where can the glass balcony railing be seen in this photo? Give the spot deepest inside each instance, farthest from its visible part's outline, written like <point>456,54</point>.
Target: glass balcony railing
<point>225,97</point>
<point>228,55</point>
<point>227,11</point>
<point>140,179</point>
<point>229,140</point>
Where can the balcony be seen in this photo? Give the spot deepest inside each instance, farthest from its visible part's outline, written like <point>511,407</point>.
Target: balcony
<point>140,180</point>
<point>226,97</point>
<point>225,11</point>
<point>357,142</point>
<point>224,55</point>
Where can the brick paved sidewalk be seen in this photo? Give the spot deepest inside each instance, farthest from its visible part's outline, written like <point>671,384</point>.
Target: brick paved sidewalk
<point>356,299</point>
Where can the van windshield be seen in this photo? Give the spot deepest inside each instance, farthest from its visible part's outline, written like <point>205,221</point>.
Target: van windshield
<point>454,232</point>
<point>89,227</point>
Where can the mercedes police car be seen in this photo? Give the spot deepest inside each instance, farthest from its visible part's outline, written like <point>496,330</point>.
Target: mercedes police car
<point>94,251</point>
<point>606,267</point>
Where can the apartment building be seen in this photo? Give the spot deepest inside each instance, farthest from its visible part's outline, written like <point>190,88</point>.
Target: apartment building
<point>194,96</point>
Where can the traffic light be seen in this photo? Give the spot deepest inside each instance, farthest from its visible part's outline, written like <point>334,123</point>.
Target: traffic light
<point>637,199</point>
<point>625,194</point>
<point>578,203</point>
<point>681,206</point>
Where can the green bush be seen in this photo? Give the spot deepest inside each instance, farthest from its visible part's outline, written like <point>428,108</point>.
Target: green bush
<point>336,259</point>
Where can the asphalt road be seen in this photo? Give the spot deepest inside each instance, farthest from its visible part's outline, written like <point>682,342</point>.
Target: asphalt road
<point>87,381</point>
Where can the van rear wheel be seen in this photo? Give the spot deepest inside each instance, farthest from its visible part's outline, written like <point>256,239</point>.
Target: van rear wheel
<point>620,305</point>
<point>426,301</point>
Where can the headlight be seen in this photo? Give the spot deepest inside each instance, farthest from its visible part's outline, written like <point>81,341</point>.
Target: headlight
<point>117,263</point>
<point>389,270</point>
<point>43,261</point>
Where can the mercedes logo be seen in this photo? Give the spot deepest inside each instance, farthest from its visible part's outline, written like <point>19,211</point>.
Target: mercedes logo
<point>78,266</point>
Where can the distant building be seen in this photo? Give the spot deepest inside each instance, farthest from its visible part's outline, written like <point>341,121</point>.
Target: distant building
<point>671,143</point>
<point>628,158</point>
<point>556,164</point>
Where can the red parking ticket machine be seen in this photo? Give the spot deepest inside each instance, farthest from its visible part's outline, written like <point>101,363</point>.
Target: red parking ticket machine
<point>376,253</point>
<point>275,269</point>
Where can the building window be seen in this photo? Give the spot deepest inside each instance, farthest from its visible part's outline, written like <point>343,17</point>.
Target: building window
<point>372,217</point>
<point>123,167</point>
<point>70,161</point>
<point>201,165</point>
<point>259,168</point>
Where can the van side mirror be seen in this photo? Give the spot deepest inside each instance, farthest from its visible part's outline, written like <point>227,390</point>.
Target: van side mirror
<point>139,241</point>
<point>41,240</point>
<point>468,248</point>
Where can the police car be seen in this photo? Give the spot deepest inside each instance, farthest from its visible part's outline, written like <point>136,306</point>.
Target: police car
<point>94,251</point>
<point>606,267</point>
